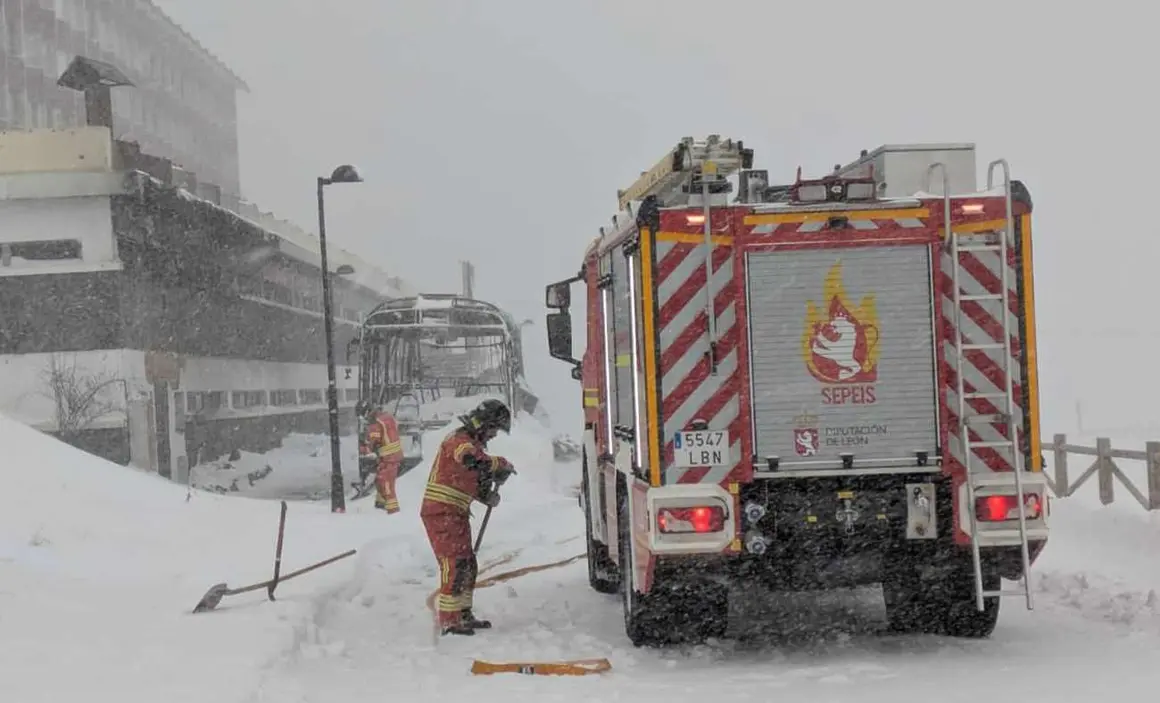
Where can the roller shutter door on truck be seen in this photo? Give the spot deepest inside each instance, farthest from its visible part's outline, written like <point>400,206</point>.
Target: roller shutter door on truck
<point>842,354</point>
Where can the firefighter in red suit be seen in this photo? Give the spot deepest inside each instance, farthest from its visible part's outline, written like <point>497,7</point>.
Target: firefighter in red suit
<point>463,472</point>
<point>382,441</point>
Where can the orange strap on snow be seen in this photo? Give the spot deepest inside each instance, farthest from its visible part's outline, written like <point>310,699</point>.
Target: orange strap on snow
<point>507,575</point>
<point>516,573</point>
<point>576,667</point>
<point>505,558</point>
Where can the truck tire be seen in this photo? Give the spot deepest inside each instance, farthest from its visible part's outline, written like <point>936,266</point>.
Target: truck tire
<point>944,605</point>
<point>699,612</point>
<point>670,613</point>
<point>603,575</point>
<point>961,617</point>
<point>638,623</point>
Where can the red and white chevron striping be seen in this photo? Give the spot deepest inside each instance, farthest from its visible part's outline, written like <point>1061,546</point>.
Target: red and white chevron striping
<point>688,390</point>
<point>981,323</point>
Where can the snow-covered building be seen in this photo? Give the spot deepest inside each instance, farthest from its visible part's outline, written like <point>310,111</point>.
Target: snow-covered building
<point>183,106</point>
<point>133,310</point>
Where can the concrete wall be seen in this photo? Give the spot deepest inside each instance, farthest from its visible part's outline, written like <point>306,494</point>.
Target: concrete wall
<point>126,430</point>
<point>26,391</point>
<point>56,150</point>
<point>85,221</point>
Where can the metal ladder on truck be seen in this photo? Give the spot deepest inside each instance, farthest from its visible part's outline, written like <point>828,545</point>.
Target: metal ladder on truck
<point>694,169</point>
<point>1006,400</point>
<point>670,180</point>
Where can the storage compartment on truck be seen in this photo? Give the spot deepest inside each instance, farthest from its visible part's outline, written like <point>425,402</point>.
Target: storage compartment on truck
<point>842,357</point>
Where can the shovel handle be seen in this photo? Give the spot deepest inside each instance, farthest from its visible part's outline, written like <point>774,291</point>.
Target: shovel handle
<point>292,574</point>
<point>277,553</point>
<point>482,528</point>
<point>319,565</point>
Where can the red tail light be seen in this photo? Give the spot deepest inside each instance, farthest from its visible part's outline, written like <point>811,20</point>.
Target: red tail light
<point>999,508</point>
<point>702,518</point>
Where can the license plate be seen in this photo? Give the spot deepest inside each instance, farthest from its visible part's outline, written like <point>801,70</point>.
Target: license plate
<point>701,448</point>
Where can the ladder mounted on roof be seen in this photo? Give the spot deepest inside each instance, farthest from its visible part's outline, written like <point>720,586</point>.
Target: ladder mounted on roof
<point>694,170</point>
<point>684,172</point>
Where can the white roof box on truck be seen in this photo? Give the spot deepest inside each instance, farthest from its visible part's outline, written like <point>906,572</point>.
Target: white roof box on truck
<point>900,169</point>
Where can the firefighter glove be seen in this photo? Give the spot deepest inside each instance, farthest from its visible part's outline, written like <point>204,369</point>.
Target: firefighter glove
<point>491,500</point>
<point>504,471</point>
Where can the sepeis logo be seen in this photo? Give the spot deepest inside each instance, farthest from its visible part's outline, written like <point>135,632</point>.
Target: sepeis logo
<point>840,343</point>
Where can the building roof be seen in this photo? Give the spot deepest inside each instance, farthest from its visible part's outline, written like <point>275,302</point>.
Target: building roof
<point>197,46</point>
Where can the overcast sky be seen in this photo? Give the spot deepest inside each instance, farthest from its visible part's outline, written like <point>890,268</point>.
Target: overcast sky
<point>499,131</point>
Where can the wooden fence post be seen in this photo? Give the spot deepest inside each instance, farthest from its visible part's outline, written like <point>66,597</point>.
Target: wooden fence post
<point>1152,449</point>
<point>1104,471</point>
<point>1059,463</point>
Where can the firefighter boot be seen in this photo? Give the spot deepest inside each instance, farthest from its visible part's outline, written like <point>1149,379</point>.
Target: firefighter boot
<point>469,620</point>
<point>458,627</point>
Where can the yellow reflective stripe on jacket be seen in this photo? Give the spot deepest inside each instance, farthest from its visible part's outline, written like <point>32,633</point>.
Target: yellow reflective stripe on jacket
<point>448,496</point>
<point>461,450</point>
<point>390,449</point>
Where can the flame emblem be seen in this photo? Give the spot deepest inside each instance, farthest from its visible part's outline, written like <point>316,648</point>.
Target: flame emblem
<point>840,343</point>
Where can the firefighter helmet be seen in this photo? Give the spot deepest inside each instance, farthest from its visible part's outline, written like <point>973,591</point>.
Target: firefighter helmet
<point>490,414</point>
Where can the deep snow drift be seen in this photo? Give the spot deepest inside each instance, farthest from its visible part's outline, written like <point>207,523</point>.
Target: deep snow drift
<point>100,565</point>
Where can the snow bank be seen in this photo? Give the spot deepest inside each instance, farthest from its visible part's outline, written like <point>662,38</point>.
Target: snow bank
<point>1102,562</point>
<point>101,564</point>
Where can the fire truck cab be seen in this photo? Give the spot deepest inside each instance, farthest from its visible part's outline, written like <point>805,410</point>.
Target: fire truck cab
<point>825,384</point>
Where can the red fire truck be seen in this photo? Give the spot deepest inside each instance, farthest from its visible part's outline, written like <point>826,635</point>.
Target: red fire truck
<point>820,385</point>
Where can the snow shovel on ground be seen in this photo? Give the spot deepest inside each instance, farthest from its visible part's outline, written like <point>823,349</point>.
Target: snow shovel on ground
<point>220,590</point>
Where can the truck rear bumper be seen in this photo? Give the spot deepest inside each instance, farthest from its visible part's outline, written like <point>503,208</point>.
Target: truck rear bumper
<point>817,533</point>
<point>789,570</point>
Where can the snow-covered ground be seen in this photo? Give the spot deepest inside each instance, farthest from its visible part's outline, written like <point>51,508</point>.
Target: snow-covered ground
<point>100,566</point>
<point>299,469</point>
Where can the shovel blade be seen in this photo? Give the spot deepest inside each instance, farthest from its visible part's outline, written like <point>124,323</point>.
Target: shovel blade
<point>211,598</point>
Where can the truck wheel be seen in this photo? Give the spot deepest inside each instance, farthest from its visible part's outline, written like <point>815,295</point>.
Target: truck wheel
<point>639,619</point>
<point>669,613</point>
<point>603,575</point>
<point>909,607</point>
<point>944,605</point>
<point>961,617</point>
<point>698,612</point>
<point>715,612</point>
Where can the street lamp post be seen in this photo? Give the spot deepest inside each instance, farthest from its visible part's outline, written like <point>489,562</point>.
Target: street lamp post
<point>342,174</point>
